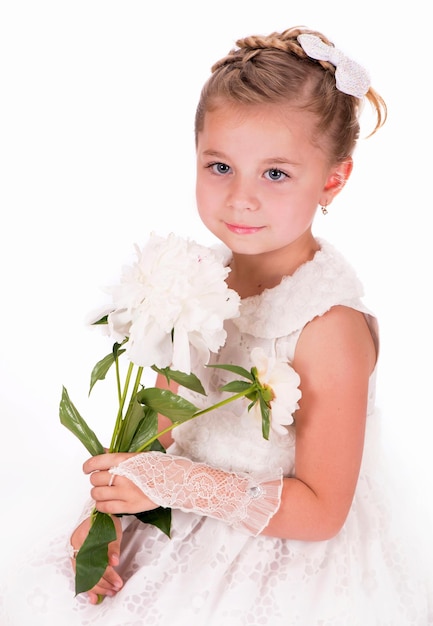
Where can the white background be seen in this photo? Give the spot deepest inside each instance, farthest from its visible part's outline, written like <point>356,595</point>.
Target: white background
<point>97,102</point>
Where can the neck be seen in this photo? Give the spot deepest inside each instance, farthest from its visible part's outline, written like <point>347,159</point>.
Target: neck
<point>252,274</point>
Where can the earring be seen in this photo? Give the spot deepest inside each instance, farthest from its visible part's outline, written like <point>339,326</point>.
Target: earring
<point>324,209</point>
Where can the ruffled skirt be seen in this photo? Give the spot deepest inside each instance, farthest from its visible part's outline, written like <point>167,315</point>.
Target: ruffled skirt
<point>208,574</point>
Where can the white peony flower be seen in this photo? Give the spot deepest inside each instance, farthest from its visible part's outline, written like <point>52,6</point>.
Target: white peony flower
<point>174,295</point>
<point>281,382</point>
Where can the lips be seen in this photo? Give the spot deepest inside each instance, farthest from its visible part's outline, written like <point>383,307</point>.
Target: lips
<point>241,229</point>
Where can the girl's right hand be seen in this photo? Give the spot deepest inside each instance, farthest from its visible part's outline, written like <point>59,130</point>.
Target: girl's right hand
<point>110,582</point>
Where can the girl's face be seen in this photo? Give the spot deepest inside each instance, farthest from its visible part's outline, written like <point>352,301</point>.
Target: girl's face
<point>260,178</point>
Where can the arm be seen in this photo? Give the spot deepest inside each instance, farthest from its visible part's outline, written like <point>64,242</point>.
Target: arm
<point>334,357</point>
<point>130,483</point>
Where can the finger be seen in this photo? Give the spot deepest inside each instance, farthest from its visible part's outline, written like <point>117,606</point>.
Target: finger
<point>108,479</point>
<point>113,559</point>
<point>102,589</point>
<point>111,582</point>
<point>107,494</point>
<point>105,461</point>
<point>93,597</point>
<point>99,462</point>
<point>114,507</point>
<point>97,598</point>
<point>101,479</point>
<point>97,594</point>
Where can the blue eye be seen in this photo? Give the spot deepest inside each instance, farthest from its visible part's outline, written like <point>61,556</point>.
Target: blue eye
<point>275,174</point>
<point>219,168</point>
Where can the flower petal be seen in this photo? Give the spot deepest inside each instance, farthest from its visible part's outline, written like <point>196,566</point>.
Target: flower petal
<point>284,382</point>
<point>174,285</point>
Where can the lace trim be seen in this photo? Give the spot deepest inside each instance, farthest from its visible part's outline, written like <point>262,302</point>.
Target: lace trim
<point>245,502</point>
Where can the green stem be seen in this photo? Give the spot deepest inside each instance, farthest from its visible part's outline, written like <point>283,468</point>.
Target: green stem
<point>122,400</point>
<point>124,425</point>
<point>119,384</point>
<point>218,405</point>
<point>137,383</point>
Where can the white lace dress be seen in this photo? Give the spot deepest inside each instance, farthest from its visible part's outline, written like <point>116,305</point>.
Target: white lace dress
<point>208,574</point>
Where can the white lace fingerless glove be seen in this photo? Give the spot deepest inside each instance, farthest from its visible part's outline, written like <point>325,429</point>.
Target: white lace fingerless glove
<point>243,501</point>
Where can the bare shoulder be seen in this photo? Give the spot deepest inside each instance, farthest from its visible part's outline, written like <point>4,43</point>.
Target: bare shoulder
<point>340,337</point>
<point>334,358</point>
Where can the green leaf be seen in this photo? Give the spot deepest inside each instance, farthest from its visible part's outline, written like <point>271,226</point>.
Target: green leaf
<point>237,369</point>
<point>92,558</point>
<point>164,401</point>
<point>146,430</point>
<point>265,411</point>
<point>190,381</point>
<point>70,418</point>
<point>101,368</point>
<point>103,320</point>
<point>238,386</point>
<point>253,396</point>
<point>116,348</point>
<point>157,446</point>
<point>133,418</point>
<point>159,517</point>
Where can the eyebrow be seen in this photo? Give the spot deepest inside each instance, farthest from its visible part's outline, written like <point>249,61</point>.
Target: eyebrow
<point>281,161</point>
<point>271,160</point>
<point>214,153</point>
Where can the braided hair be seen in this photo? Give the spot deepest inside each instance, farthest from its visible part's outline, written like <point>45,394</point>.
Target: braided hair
<point>274,69</point>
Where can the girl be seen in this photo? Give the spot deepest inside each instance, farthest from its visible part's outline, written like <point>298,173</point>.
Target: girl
<point>297,529</point>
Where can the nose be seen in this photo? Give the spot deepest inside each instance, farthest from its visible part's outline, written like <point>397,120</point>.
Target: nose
<point>242,195</point>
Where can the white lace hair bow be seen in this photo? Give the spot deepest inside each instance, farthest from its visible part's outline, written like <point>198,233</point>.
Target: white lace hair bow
<point>350,77</point>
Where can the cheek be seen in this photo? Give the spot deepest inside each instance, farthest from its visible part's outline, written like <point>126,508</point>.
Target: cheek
<point>202,203</point>
<point>206,197</point>
<point>293,219</point>
<point>200,186</point>
<point>200,197</point>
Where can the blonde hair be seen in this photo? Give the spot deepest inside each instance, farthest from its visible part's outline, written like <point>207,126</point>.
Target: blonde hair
<point>275,69</point>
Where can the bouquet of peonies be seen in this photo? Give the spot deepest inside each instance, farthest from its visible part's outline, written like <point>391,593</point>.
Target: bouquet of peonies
<point>173,297</point>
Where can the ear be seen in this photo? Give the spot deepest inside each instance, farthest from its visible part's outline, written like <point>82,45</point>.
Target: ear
<point>336,180</point>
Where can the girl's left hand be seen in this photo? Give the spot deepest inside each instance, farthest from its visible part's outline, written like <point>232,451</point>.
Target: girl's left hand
<point>115,494</point>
